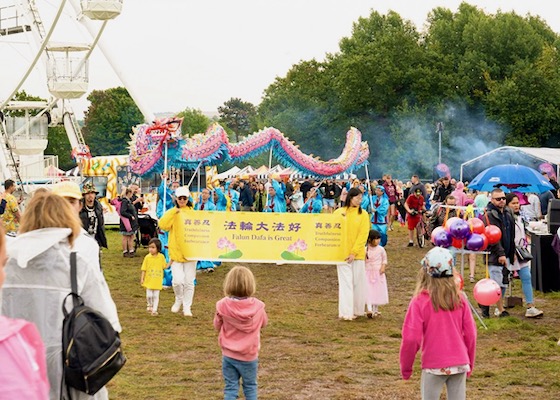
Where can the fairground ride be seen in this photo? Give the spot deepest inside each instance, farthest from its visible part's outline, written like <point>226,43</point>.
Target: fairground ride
<point>34,46</point>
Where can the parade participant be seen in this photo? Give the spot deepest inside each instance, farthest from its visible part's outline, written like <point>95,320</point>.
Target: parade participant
<point>152,275</point>
<point>233,194</point>
<point>204,203</point>
<point>414,206</point>
<point>522,267</point>
<point>276,200</point>
<point>184,271</point>
<point>351,273</point>
<point>239,318</point>
<point>297,198</point>
<point>376,280</point>
<point>221,200</point>
<point>91,215</point>
<point>38,280</point>
<point>439,321</point>
<point>169,201</point>
<point>380,208</point>
<point>314,203</point>
<point>11,215</point>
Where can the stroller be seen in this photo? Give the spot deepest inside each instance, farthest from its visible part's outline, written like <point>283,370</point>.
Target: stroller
<point>147,230</point>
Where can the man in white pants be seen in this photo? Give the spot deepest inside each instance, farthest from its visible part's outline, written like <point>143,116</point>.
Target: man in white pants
<point>184,271</point>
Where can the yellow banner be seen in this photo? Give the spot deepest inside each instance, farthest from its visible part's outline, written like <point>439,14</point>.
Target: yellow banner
<point>264,237</point>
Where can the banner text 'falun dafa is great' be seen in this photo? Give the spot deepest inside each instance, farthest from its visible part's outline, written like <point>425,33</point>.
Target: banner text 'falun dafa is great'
<point>264,237</point>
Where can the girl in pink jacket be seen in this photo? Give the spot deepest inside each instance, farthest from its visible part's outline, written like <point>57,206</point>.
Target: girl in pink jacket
<point>23,369</point>
<point>239,319</point>
<point>440,321</point>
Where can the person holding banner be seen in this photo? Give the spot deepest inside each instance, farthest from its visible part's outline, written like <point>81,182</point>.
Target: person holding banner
<point>314,203</point>
<point>351,273</point>
<point>184,271</point>
<point>276,199</point>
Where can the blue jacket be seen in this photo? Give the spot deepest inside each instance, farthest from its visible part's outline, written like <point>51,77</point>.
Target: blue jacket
<point>279,199</point>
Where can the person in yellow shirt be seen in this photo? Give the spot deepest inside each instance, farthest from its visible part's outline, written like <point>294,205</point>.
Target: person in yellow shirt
<point>11,216</point>
<point>351,273</point>
<point>152,274</point>
<point>184,271</point>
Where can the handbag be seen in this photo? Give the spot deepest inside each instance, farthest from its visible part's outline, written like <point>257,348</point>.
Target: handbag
<point>523,254</point>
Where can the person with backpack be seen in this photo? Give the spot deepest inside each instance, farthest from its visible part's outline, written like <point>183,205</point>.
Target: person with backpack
<point>23,371</point>
<point>38,280</point>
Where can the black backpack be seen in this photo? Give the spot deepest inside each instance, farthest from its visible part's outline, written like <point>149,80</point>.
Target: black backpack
<point>91,348</point>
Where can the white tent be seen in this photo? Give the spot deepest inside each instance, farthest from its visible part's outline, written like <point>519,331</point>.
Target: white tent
<point>245,172</point>
<point>531,157</point>
<point>230,173</point>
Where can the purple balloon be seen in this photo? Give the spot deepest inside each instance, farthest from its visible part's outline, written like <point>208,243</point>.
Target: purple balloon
<point>442,239</point>
<point>460,229</point>
<point>475,242</point>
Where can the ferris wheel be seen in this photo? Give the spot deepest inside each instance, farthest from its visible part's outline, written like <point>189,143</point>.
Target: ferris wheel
<point>59,37</point>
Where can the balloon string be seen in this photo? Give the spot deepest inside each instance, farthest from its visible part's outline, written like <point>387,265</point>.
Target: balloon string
<point>446,215</point>
<point>487,271</point>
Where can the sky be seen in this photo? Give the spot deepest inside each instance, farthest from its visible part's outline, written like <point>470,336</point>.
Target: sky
<point>178,54</point>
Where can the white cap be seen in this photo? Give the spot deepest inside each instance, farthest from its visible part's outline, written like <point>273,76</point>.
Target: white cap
<point>182,191</point>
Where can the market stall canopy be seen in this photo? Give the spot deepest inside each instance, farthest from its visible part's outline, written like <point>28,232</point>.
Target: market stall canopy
<point>230,173</point>
<point>261,172</point>
<point>245,172</point>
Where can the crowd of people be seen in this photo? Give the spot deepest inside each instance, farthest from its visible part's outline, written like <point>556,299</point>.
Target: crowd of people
<point>70,218</point>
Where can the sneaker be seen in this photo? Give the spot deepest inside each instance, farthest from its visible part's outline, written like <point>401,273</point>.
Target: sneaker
<point>187,313</point>
<point>154,314</point>
<point>504,314</point>
<point>496,312</point>
<point>369,314</point>
<point>533,312</point>
<point>485,311</point>
<point>410,244</point>
<point>471,278</point>
<point>149,309</point>
<point>176,306</point>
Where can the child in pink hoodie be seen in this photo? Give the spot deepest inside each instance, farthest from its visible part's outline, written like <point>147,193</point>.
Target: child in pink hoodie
<point>440,321</point>
<point>239,319</point>
<point>23,369</point>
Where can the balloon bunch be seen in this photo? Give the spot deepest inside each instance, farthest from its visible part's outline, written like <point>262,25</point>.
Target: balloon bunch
<point>470,234</point>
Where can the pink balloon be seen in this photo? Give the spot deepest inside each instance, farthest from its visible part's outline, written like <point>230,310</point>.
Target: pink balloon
<point>435,232</point>
<point>487,292</point>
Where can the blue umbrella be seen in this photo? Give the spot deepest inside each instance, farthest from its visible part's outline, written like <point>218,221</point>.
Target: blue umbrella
<point>509,177</point>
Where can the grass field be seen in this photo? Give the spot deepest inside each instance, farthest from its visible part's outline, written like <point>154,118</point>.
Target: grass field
<point>307,353</point>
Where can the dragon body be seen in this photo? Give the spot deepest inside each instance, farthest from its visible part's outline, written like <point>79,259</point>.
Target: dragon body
<point>213,148</point>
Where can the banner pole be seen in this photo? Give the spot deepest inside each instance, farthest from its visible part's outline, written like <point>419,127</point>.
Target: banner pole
<point>369,189</point>
<point>164,200</point>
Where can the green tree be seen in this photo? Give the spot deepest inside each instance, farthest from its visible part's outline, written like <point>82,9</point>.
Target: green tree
<point>238,115</point>
<point>194,121</point>
<point>109,121</point>
<point>60,145</point>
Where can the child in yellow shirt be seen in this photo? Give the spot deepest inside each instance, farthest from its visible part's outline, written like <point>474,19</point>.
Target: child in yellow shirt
<point>152,274</point>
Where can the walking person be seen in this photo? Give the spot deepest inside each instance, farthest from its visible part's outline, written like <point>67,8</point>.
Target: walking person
<point>439,321</point>
<point>38,280</point>
<point>351,272</point>
<point>152,275</point>
<point>23,371</point>
<point>376,280</point>
<point>91,215</point>
<point>239,319</point>
<point>184,271</point>
<point>128,224</point>
<point>521,266</point>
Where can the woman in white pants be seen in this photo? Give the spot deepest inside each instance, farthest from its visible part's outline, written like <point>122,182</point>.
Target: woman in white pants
<point>184,271</point>
<point>351,274</point>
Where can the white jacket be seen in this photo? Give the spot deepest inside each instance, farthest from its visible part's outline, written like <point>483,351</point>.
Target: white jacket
<point>38,280</point>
